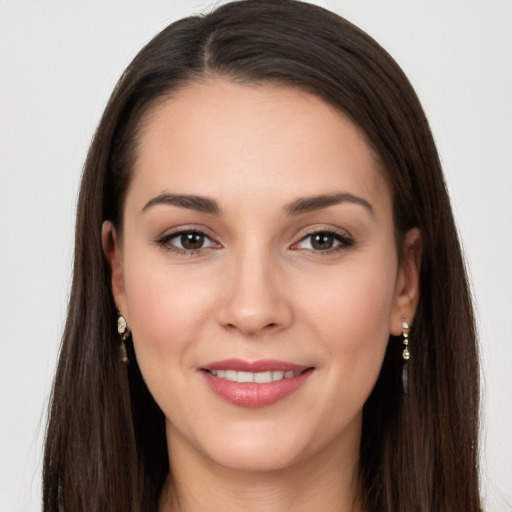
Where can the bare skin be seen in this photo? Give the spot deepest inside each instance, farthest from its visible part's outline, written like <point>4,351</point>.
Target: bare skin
<point>258,226</point>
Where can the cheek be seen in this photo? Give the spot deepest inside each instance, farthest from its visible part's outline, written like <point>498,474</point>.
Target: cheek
<point>351,318</point>
<point>350,321</point>
<point>168,308</point>
<point>353,300</point>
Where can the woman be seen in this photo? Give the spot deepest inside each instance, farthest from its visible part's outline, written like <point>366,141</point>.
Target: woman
<point>262,227</point>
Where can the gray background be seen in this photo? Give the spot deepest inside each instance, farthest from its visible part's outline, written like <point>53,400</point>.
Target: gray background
<point>58,63</point>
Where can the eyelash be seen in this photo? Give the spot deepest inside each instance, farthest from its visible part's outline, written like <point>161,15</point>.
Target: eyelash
<point>345,241</point>
<point>165,241</point>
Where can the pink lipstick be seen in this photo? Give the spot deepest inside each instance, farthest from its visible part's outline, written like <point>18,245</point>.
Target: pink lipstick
<point>254,383</point>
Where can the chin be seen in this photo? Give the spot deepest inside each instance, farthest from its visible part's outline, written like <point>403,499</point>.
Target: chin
<point>243,446</point>
<point>256,455</point>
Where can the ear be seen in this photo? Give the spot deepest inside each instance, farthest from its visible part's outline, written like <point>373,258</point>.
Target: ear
<point>112,250</point>
<point>407,288</point>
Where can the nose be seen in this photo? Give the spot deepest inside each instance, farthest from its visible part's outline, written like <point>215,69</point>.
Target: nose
<point>254,299</point>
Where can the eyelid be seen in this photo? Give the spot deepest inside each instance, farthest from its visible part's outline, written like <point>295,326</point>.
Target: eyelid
<point>164,241</point>
<point>344,238</point>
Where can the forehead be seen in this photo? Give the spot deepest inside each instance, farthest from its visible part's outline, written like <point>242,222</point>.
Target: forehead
<point>224,139</point>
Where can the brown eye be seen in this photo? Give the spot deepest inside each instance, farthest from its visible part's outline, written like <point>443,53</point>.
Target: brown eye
<point>186,242</point>
<point>192,240</point>
<point>322,241</point>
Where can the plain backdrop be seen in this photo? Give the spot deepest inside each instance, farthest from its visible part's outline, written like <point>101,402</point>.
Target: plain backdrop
<point>58,64</point>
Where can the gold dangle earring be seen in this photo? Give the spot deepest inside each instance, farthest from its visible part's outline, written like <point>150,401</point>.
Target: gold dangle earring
<point>406,355</point>
<point>124,332</point>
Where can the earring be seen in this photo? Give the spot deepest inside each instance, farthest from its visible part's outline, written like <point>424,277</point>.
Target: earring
<point>405,353</point>
<point>405,339</point>
<point>124,332</point>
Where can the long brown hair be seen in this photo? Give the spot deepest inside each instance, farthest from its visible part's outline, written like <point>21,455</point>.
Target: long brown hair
<point>105,446</point>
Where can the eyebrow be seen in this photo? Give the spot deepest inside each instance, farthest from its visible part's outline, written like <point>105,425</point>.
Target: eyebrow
<point>199,203</point>
<point>297,207</point>
<point>308,204</point>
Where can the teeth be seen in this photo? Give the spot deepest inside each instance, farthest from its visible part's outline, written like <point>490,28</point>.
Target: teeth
<point>245,377</point>
<point>231,375</point>
<point>259,377</point>
<point>263,377</point>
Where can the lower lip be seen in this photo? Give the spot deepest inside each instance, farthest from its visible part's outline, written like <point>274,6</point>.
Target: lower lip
<point>251,394</point>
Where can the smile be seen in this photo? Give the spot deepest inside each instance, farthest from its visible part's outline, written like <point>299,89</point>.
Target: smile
<point>255,384</point>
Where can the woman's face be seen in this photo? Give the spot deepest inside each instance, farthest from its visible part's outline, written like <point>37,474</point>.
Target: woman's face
<point>258,245</point>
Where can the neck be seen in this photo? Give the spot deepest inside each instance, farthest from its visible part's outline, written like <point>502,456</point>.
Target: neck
<point>328,481</point>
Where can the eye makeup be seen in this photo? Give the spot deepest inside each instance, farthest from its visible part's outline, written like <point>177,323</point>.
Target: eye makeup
<point>188,241</point>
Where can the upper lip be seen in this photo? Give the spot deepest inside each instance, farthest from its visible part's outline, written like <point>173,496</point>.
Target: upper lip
<point>262,365</point>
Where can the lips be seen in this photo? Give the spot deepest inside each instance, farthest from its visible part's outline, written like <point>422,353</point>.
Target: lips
<point>254,383</point>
